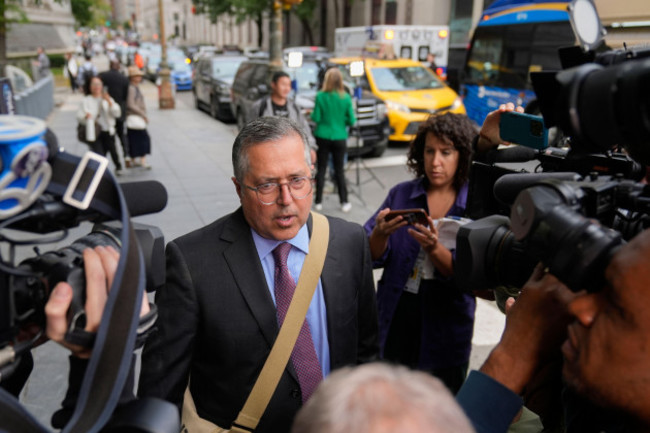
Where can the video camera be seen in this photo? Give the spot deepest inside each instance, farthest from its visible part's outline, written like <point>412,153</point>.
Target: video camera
<point>601,107</point>
<point>44,192</point>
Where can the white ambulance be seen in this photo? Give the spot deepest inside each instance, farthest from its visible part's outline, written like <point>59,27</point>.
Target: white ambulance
<point>409,42</point>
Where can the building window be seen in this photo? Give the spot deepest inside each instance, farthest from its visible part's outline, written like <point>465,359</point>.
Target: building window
<point>460,21</point>
<point>376,12</point>
<point>391,12</point>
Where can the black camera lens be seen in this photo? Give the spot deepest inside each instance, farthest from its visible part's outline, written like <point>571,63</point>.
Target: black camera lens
<point>536,128</point>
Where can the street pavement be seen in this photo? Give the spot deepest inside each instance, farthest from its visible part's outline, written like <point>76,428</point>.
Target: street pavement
<point>191,157</point>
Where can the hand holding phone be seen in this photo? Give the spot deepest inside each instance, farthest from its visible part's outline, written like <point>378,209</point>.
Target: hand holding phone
<point>411,216</point>
<point>524,129</point>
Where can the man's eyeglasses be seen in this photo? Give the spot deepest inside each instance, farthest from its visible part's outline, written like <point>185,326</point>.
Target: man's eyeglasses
<point>268,193</point>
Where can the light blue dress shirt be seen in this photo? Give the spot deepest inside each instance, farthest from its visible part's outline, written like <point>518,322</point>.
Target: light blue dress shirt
<point>316,314</point>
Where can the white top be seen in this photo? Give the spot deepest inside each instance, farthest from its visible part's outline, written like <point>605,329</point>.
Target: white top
<point>100,109</point>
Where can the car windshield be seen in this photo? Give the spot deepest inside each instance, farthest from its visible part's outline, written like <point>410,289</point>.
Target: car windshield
<point>306,75</point>
<point>225,68</point>
<point>406,78</point>
<point>181,67</point>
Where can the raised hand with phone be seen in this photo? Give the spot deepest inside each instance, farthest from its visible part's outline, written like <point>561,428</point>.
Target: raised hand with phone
<point>425,323</point>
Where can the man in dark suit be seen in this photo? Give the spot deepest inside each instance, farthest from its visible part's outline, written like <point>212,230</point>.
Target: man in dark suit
<point>218,312</point>
<point>118,88</point>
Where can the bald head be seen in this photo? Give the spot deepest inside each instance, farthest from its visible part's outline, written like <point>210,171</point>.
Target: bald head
<point>381,398</point>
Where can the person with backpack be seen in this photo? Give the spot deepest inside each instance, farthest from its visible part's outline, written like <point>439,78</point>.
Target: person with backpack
<point>278,104</point>
<point>86,72</point>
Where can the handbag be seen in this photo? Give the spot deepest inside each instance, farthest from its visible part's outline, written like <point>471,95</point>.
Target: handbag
<point>81,132</point>
<point>276,362</point>
<point>135,121</point>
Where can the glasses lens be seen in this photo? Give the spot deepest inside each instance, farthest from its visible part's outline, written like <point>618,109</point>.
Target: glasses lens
<point>299,188</point>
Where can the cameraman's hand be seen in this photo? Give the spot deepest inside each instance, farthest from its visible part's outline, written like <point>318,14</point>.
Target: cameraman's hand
<point>536,326</point>
<point>490,136</point>
<point>100,265</point>
<point>383,229</point>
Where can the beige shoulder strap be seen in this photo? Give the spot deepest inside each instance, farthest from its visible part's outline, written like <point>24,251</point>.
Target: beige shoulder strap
<point>276,362</point>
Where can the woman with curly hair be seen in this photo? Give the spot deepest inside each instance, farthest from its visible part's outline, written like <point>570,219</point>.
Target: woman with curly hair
<point>424,322</point>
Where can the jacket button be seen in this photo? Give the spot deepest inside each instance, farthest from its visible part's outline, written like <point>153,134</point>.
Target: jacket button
<point>295,393</point>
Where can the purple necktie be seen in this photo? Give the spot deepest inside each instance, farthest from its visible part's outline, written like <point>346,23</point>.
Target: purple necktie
<point>303,356</point>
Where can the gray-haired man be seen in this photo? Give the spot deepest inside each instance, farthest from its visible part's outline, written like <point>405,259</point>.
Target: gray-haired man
<point>218,312</point>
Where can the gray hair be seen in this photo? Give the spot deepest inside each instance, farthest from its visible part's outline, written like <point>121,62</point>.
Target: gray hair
<point>264,130</point>
<point>381,398</point>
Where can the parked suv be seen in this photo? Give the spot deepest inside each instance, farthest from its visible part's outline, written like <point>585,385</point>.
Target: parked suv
<point>252,83</point>
<point>213,76</point>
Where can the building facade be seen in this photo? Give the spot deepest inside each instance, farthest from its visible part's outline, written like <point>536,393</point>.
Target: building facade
<point>51,25</point>
<point>625,21</point>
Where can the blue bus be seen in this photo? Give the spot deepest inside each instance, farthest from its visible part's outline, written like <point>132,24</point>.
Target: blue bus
<point>512,39</point>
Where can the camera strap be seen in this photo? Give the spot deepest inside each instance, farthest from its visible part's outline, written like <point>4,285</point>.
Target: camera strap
<point>110,361</point>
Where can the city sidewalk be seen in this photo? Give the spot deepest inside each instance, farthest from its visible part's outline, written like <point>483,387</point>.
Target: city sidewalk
<point>191,157</point>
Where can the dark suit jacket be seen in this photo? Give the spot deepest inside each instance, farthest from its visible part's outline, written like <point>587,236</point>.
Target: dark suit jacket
<point>118,87</point>
<point>217,321</point>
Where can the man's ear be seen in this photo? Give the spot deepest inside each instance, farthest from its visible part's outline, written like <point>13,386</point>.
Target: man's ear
<point>237,186</point>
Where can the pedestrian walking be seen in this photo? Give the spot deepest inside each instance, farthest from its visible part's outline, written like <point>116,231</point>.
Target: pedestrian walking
<point>333,114</point>
<point>118,88</point>
<point>138,60</point>
<point>431,60</point>
<point>42,64</point>
<point>72,70</point>
<point>136,121</point>
<point>98,106</point>
<point>87,70</point>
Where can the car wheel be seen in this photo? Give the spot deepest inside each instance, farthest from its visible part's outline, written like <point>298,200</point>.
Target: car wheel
<point>214,108</point>
<point>240,120</point>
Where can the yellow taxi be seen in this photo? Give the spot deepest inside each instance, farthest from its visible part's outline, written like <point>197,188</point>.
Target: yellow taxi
<point>410,91</point>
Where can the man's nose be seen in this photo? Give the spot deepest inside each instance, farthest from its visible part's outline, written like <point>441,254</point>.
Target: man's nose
<point>585,308</point>
<point>284,196</point>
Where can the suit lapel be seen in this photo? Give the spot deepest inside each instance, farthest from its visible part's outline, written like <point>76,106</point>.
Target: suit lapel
<point>247,272</point>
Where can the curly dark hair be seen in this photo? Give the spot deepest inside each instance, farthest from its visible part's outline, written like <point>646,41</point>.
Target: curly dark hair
<point>455,129</point>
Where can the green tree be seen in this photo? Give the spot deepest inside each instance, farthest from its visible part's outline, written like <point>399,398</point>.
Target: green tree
<point>241,10</point>
<point>305,12</point>
<point>90,13</point>
<point>11,13</point>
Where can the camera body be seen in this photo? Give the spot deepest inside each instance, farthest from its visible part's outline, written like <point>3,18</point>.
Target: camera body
<point>39,275</point>
<point>552,222</point>
<point>601,107</point>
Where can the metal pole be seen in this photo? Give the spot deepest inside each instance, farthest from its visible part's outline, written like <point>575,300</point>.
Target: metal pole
<point>275,48</point>
<point>165,96</point>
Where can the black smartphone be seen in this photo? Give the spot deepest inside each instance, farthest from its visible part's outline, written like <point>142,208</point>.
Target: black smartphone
<point>411,216</point>
<point>524,129</point>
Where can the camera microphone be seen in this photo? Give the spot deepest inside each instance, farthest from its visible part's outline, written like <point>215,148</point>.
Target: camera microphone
<point>49,213</point>
<point>510,154</point>
<point>507,187</point>
<point>144,197</point>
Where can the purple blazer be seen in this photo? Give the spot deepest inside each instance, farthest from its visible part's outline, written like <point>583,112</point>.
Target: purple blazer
<point>447,313</point>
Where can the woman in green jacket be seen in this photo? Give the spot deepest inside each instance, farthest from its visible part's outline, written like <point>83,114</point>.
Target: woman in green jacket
<point>333,113</point>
